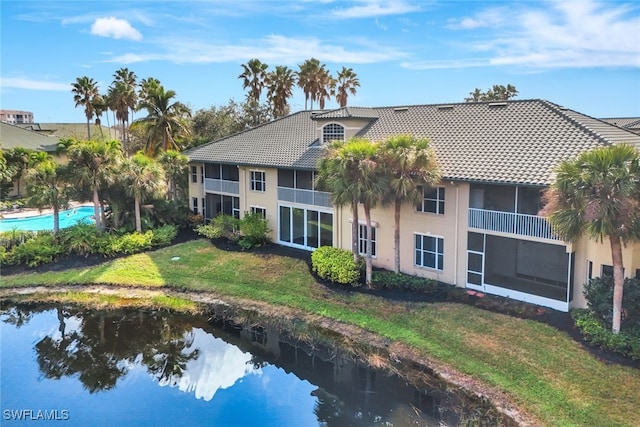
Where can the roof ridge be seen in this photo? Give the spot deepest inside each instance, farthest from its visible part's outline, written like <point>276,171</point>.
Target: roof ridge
<point>560,111</point>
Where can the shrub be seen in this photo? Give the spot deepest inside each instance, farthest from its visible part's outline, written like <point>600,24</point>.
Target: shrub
<point>80,238</point>
<point>599,294</point>
<point>599,334</point>
<point>15,237</point>
<point>391,280</point>
<point>226,226</point>
<point>164,235</point>
<point>254,230</point>
<point>336,265</point>
<point>39,250</point>
<point>132,243</point>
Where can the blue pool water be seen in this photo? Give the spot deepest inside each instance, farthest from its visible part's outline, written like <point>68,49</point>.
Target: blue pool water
<point>68,218</point>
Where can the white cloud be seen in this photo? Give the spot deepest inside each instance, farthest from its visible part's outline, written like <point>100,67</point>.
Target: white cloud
<point>372,8</point>
<point>29,84</point>
<point>273,48</point>
<point>115,28</point>
<point>567,34</point>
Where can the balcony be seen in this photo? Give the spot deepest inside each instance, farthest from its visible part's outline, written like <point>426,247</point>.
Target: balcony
<point>221,186</point>
<point>513,223</point>
<point>307,197</point>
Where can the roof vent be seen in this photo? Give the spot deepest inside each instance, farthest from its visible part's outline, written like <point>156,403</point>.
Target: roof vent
<point>498,104</point>
<point>398,109</point>
<point>445,107</point>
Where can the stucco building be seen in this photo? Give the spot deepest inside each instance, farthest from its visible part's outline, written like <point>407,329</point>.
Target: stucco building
<point>478,229</point>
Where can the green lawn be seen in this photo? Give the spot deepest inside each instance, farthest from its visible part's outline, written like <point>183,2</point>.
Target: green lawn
<point>548,374</point>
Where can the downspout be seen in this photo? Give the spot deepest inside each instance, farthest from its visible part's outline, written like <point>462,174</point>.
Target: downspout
<point>455,254</point>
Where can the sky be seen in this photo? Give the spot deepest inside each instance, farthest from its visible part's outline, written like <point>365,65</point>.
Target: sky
<point>583,55</point>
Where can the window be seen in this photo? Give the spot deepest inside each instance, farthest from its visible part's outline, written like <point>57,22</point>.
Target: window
<point>362,240</point>
<point>202,174</point>
<point>195,206</point>
<point>194,174</point>
<point>259,210</point>
<point>258,181</point>
<point>332,132</point>
<point>204,205</point>
<point>432,201</point>
<point>608,270</point>
<point>221,204</point>
<point>429,251</point>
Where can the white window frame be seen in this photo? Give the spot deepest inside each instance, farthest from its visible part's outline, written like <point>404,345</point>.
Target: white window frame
<point>258,181</point>
<point>194,174</point>
<point>362,241</point>
<point>260,210</point>
<point>329,134</point>
<point>194,204</point>
<point>438,252</point>
<point>440,196</point>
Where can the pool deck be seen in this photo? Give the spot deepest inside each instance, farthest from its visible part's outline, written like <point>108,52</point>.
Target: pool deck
<point>26,212</point>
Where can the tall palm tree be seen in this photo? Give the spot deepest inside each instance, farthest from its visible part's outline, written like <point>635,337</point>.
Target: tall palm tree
<point>353,172</point>
<point>254,78</point>
<point>412,166</point>
<point>147,87</point>
<point>346,83</point>
<point>48,186</point>
<point>175,166</point>
<point>166,120</point>
<point>280,84</point>
<point>325,87</point>
<point>124,97</point>
<point>598,194</point>
<point>308,79</point>
<point>145,178</point>
<point>93,164</point>
<point>474,96</point>
<point>85,91</point>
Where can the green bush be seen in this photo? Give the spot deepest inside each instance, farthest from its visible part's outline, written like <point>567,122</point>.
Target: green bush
<point>15,237</point>
<point>39,250</point>
<point>391,280</point>
<point>336,265</point>
<point>164,235</point>
<point>225,226</point>
<point>597,333</point>
<point>254,231</point>
<point>599,294</point>
<point>132,243</point>
<point>80,238</point>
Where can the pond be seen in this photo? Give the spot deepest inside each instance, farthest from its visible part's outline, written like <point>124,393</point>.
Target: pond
<point>68,365</point>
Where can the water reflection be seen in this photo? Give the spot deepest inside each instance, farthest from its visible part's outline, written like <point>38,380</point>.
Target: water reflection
<point>269,376</point>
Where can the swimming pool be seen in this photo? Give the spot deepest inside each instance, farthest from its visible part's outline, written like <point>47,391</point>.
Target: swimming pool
<point>68,218</point>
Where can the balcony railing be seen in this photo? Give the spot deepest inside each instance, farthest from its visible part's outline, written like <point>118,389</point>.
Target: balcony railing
<point>221,186</point>
<point>307,197</point>
<point>509,222</point>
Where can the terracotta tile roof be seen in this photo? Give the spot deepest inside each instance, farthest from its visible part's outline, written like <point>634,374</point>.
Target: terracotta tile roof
<point>505,142</point>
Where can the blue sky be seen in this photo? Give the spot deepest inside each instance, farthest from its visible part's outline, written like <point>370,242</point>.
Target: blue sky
<point>583,55</point>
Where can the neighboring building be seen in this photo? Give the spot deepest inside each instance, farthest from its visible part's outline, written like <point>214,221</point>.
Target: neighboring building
<point>12,136</point>
<point>15,117</point>
<point>72,130</point>
<point>479,229</point>
<point>631,124</point>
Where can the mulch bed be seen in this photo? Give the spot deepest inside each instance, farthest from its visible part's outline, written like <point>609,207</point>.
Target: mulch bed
<point>559,320</point>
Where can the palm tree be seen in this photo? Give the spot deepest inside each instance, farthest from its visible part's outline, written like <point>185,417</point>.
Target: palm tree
<point>279,89</point>
<point>474,96</point>
<point>147,87</point>
<point>166,119</point>
<point>354,174</point>
<point>325,87</point>
<point>308,79</point>
<point>254,77</point>
<point>48,185</point>
<point>93,164</point>
<point>598,194</point>
<point>346,83</point>
<point>412,166</point>
<point>145,178</point>
<point>85,91</point>
<point>175,166</point>
<point>124,97</point>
